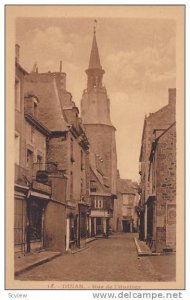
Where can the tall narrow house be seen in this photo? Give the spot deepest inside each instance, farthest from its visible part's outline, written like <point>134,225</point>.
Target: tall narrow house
<point>157,206</point>
<point>95,110</point>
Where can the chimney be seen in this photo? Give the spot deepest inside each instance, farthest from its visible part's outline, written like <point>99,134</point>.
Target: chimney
<point>172,96</point>
<point>17,53</point>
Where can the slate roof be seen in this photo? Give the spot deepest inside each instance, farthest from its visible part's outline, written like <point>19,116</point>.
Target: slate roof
<point>49,107</point>
<point>125,186</point>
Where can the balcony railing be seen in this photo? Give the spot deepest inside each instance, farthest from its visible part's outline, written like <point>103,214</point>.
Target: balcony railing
<point>22,175</point>
<point>25,176</point>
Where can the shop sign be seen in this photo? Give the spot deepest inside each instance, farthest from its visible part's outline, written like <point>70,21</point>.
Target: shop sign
<point>38,186</point>
<point>42,176</point>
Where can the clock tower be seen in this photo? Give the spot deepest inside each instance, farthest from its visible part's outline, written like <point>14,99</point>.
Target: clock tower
<point>95,110</point>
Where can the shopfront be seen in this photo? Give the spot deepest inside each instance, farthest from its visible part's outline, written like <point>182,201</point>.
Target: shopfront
<point>37,201</point>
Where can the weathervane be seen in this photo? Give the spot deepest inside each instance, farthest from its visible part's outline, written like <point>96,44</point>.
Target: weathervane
<point>95,24</point>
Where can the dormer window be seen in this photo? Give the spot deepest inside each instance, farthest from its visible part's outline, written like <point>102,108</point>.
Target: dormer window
<point>31,106</point>
<point>93,187</point>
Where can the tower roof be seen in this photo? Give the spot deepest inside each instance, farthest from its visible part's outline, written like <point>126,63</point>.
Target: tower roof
<point>94,62</point>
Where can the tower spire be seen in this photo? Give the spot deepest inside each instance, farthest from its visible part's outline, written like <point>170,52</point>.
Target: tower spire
<point>94,62</point>
<point>94,71</point>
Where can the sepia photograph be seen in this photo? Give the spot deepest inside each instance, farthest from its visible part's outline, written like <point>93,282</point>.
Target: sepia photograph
<point>95,147</point>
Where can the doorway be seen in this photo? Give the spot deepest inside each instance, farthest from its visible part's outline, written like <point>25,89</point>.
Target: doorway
<point>126,226</point>
<point>99,226</point>
<point>35,225</point>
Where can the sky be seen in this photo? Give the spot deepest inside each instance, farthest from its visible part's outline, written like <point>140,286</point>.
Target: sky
<point>137,54</point>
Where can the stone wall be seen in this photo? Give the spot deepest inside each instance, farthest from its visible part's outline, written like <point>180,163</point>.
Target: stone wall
<point>95,106</point>
<point>116,222</point>
<point>57,151</point>
<point>166,190</point>
<point>159,121</point>
<point>102,142</point>
<point>37,141</point>
<point>55,227</point>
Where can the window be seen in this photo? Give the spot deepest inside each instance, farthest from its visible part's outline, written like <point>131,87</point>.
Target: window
<point>39,162</point>
<point>98,203</point>
<point>17,148</point>
<point>17,94</point>
<point>92,186</point>
<point>29,159</point>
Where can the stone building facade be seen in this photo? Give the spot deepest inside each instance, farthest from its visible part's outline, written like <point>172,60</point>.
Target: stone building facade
<point>67,148</point>
<point>162,208</point>
<point>157,170</point>
<point>125,216</point>
<point>95,111</point>
<point>101,210</point>
<point>20,184</point>
<point>33,188</point>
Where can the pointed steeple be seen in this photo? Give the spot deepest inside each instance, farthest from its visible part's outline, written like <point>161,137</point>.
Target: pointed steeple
<point>94,62</point>
<point>94,71</point>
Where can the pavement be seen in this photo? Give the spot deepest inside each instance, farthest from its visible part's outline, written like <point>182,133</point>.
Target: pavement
<point>142,248</point>
<point>112,259</point>
<point>30,260</point>
<point>83,245</point>
<point>91,239</point>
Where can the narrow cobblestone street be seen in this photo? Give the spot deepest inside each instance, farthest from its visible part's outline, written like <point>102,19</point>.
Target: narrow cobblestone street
<point>113,259</point>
